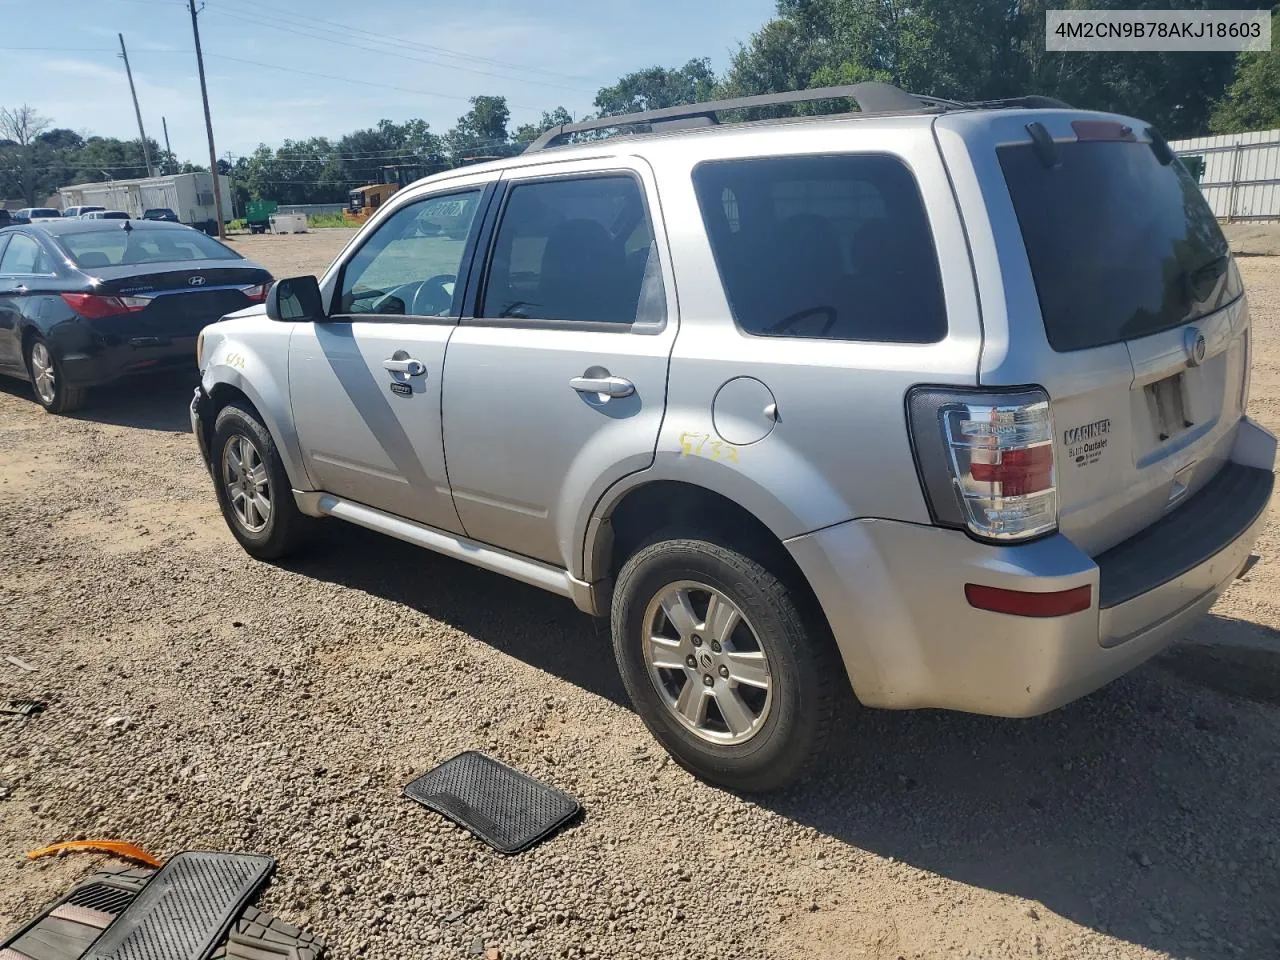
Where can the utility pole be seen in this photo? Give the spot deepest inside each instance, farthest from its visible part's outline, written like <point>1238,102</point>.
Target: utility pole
<point>208,124</point>
<point>146,152</point>
<point>164,122</point>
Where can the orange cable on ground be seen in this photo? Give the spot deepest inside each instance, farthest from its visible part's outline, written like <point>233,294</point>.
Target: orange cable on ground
<point>128,851</point>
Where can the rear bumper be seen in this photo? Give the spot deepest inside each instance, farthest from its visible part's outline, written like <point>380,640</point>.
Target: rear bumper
<point>139,355</point>
<point>894,595</point>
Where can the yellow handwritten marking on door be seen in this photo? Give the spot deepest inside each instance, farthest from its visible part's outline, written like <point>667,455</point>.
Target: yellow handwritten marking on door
<point>235,360</point>
<point>703,445</point>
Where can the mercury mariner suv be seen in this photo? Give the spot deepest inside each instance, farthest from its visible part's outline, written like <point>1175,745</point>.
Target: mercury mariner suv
<point>942,400</point>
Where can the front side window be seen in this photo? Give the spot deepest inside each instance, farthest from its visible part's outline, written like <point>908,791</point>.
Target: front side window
<point>829,247</point>
<point>580,249</point>
<point>24,256</point>
<point>410,266</point>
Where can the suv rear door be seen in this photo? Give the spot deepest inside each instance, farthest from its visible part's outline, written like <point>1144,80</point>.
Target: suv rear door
<point>1104,278</point>
<point>556,378</point>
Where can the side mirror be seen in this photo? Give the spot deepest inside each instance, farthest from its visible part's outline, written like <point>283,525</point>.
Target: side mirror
<point>297,298</point>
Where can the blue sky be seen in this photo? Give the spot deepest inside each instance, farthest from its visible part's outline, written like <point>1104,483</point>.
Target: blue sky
<point>538,55</point>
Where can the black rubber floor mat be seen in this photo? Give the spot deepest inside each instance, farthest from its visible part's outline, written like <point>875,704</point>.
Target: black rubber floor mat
<point>505,808</point>
<point>68,927</point>
<point>186,909</point>
<point>260,936</point>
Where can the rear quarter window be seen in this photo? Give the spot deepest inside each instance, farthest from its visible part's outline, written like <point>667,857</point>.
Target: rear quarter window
<point>827,247</point>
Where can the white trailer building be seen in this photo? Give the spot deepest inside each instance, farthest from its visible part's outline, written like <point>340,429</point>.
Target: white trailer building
<point>1241,177</point>
<point>189,195</point>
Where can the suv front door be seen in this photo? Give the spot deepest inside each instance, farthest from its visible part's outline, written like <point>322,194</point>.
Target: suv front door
<point>365,383</point>
<point>556,378</point>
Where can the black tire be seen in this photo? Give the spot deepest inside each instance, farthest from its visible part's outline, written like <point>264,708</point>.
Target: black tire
<point>65,399</point>
<point>285,527</point>
<point>805,670</point>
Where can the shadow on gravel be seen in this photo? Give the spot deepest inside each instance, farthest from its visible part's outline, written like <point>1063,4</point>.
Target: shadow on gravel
<point>543,630</point>
<point>1146,811</point>
<point>157,402</point>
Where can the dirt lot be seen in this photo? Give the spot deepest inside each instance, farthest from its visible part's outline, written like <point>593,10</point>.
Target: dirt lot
<point>203,700</point>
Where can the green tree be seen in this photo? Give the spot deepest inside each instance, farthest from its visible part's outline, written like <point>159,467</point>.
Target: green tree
<point>1252,102</point>
<point>528,132</point>
<point>480,132</point>
<point>20,173</point>
<point>658,87</point>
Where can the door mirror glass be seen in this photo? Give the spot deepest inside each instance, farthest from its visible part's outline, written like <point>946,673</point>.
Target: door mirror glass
<point>297,298</point>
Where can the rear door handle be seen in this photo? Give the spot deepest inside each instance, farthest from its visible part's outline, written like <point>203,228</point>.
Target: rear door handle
<point>410,368</point>
<point>608,386</point>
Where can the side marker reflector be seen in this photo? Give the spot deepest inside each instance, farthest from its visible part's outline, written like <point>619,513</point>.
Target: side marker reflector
<point>1019,603</point>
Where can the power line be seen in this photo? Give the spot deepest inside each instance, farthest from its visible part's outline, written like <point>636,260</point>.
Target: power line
<point>345,41</point>
<point>411,44</point>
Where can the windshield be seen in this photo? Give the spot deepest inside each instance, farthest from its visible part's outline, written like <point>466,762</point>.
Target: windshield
<point>45,212</point>
<point>1120,246</point>
<point>120,247</point>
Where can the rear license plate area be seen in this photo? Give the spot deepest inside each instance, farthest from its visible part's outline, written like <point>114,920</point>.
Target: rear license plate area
<point>1167,400</point>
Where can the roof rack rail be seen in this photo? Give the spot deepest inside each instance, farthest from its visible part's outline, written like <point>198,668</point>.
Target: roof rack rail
<point>871,97</point>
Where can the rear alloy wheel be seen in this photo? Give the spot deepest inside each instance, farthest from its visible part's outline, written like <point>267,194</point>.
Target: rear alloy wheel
<point>50,385</point>
<point>727,663</point>
<point>252,487</point>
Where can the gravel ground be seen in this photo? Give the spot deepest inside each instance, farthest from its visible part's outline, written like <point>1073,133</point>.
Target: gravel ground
<point>199,699</point>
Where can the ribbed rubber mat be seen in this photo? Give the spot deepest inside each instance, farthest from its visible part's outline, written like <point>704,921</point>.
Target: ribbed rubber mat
<point>186,908</point>
<point>505,808</point>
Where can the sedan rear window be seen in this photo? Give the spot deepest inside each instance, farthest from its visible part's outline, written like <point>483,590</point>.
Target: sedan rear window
<point>1120,247</point>
<point>829,247</point>
<point>114,246</point>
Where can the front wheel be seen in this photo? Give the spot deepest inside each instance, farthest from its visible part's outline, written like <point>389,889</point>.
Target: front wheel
<point>45,370</point>
<point>724,664</point>
<point>252,487</point>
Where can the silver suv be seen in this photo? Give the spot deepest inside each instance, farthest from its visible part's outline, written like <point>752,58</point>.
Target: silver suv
<point>943,401</point>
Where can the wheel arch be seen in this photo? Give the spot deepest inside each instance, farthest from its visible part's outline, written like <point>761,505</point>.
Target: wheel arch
<point>222,392</point>
<point>634,514</point>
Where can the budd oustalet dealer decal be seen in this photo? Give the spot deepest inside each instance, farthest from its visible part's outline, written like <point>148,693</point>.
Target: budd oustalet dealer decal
<point>1085,443</point>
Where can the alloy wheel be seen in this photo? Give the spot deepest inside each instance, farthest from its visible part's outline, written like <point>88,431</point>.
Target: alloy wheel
<point>42,373</point>
<point>247,483</point>
<point>707,663</point>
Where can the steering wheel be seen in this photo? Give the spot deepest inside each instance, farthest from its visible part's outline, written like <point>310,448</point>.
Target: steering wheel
<point>432,297</point>
<point>786,323</point>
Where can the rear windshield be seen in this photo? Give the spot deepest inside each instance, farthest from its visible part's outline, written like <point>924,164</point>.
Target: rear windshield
<point>1120,246</point>
<point>45,212</point>
<point>830,247</point>
<point>114,246</point>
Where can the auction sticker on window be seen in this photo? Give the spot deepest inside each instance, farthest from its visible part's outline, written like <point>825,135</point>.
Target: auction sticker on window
<point>1086,443</point>
<point>1172,30</point>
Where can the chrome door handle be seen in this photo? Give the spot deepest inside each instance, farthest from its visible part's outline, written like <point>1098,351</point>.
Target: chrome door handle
<point>410,368</point>
<point>608,386</point>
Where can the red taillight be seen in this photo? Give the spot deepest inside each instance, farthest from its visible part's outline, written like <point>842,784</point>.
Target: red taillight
<point>1102,130</point>
<point>1019,471</point>
<point>91,306</point>
<point>1019,603</point>
<point>256,293</point>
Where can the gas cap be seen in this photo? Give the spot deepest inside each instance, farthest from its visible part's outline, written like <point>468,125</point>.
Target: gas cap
<point>744,411</point>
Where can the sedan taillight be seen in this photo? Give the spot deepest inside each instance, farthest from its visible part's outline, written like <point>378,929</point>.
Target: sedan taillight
<point>257,293</point>
<point>92,306</point>
<point>986,460</point>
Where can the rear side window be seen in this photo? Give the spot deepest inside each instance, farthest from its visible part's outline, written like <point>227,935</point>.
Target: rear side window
<point>1120,246</point>
<point>579,249</point>
<point>832,247</point>
<point>114,246</point>
<point>24,256</point>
